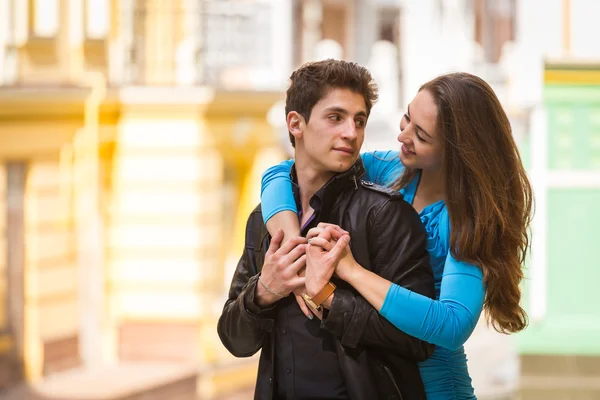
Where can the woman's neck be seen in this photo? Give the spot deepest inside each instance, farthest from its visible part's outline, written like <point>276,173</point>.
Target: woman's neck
<point>430,189</point>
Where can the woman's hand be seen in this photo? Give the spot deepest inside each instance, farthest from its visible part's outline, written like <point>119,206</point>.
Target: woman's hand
<point>346,265</point>
<point>322,258</point>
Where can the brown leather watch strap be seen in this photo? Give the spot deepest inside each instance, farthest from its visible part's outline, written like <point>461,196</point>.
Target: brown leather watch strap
<point>320,297</point>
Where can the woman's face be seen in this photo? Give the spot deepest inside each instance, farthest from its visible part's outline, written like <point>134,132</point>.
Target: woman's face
<point>420,143</point>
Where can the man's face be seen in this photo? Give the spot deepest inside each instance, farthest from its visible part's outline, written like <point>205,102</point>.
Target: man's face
<point>330,142</point>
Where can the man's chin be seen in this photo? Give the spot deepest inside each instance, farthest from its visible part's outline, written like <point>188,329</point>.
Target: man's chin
<point>342,166</point>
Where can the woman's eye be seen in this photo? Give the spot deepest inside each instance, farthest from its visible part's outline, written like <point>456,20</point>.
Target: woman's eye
<point>403,122</point>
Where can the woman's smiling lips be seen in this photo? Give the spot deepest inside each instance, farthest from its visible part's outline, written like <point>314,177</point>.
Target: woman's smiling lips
<point>406,151</point>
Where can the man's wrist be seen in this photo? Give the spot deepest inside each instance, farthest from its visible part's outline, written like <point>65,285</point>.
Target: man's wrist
<point>262,297</point>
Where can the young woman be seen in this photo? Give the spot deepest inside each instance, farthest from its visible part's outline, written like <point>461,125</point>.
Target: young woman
<point>460,168</point>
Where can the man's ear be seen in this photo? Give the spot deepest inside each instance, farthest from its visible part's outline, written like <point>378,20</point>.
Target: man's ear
<point>295,124</point>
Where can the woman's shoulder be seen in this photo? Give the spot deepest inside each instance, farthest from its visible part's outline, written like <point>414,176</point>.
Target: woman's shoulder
<point>387,156</point>
<point>382,166</point>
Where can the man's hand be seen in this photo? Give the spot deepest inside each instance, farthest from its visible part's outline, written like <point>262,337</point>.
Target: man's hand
<point>279,276</point>
<point>322,256</point>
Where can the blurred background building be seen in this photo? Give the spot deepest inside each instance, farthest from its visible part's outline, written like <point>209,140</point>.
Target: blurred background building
<point>132,138</point>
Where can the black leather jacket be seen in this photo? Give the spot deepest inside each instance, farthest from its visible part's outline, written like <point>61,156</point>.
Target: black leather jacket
<point>377,360</point>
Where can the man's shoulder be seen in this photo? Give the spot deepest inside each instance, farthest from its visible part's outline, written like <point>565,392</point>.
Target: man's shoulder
<point>382,192</point>
<point>255,229</point>
<point>381,199</point>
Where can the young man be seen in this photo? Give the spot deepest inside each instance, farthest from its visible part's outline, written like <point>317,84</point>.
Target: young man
<point>353,352</point>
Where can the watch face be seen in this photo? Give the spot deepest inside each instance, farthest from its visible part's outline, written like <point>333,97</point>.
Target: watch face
<point>324,294</point>
<point>311,303</point>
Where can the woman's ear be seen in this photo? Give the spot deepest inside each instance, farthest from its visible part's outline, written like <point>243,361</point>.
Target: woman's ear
<point>295,124</point>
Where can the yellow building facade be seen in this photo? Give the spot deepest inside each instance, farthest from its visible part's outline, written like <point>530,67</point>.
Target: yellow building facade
<point>126,178</point>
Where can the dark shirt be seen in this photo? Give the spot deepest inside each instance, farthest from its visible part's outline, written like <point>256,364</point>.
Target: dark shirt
<point>306,363</point>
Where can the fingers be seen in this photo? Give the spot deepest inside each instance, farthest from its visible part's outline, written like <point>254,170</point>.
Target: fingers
<point>296,282</point>
<point>334,227</point>
<point>304,307</point>
<point>318,314</point>
<point>275,242</point>
<point>322,243</point>
<point>327,232</point>
<point>290,245</point>
<point>339,246</point>
<point>330,232</point>
<point>295,254</point>
<point>314,232</point>
<point>297,265</point>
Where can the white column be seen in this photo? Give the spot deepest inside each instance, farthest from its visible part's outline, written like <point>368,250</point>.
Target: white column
<point>312,17</point>
<point>4,36</point>
<point>46,18</point>
<point>539,242</point>
<point>585,29</point>
<point>536,38</point>
<point>365,29</point>
<point>457,42</point>
<point>90,246</point>
<point>185,60</point>
<point>75,23</point>
<point>281,41</point>
<point>21,21</point>
<point>97,21</point>
<point>420,35</point>
<point>120,70</point>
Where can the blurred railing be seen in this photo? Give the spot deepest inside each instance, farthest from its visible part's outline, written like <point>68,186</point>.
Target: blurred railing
<point>202,42</point>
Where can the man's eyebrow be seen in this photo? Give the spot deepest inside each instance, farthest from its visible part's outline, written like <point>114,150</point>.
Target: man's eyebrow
<point>341,110</point>
<point>421,129</point>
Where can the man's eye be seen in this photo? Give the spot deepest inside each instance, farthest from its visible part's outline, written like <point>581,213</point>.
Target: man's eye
<point>360,123</point>
<point>335,117</point>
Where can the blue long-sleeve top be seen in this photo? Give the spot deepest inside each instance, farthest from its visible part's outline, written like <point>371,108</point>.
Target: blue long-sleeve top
<point>447,321</point>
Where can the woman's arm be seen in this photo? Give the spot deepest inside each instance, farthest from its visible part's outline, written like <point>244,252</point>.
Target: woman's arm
<point>447,322</point>
<point>277,198</point>
<point>277,201</point>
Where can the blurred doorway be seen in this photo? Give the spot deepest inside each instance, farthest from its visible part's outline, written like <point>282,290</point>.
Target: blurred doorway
<point>11,276</point>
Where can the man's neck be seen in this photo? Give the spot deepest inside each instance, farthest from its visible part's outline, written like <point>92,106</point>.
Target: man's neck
<point>310,181</point>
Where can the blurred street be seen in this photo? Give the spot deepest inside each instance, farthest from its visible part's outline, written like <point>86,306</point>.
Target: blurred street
<point>133,137</point>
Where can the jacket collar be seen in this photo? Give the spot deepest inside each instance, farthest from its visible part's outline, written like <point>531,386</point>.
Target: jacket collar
<point>324,198</point>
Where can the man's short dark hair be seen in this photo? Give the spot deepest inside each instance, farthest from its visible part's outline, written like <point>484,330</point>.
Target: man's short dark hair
<point>312,81</point>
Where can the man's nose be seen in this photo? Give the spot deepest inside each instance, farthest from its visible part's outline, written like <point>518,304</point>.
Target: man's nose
<point>350,131</point>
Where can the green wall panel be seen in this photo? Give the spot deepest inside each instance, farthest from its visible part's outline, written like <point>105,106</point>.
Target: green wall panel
<point>571,324</point>
<point>572,320</point>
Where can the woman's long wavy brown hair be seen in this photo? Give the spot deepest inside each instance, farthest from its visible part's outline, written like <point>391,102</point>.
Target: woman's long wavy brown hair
<point>488,195</point>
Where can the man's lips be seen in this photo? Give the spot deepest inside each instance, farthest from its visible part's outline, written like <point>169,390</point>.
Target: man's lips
<point>346,150</point>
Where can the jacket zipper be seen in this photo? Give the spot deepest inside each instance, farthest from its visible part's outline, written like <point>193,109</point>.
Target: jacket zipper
<point>355,184</point>
<point>387,370</point>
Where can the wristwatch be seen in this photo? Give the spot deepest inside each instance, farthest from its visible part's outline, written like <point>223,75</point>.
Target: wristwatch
<point>316,301</point>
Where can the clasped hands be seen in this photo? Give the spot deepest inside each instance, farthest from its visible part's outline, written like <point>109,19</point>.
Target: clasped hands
<point>303,266</point>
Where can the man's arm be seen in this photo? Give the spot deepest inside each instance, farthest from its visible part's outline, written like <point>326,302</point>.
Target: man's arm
<point>249,312</point>
<point>399,255</point>
<point>243,325</point>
